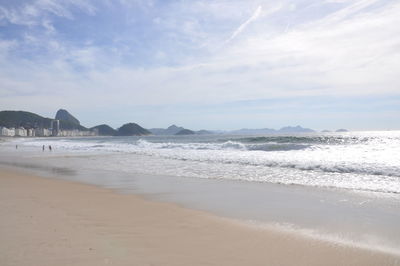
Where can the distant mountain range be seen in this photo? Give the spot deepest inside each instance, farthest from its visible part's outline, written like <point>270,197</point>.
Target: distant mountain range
<point>69,122</point>
<point>29,120</point>
<point>284,130</point>
<point>175,130</point>
<point>129,129</point>
<point>171,130</point>
<point>132,129</point>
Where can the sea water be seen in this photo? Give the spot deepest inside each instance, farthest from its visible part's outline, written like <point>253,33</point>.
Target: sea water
<point>361,161</point>
<point>342,185</point>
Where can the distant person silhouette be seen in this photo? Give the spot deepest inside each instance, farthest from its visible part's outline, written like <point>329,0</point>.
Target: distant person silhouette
<point>16,147</point>
<point>43,148</point>
<point>49,147</point>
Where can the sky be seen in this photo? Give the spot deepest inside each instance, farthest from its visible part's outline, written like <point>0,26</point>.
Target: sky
<point>200,64</point>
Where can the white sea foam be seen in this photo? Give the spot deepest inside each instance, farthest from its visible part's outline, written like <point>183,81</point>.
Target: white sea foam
<point>369,162</point>
<point>366,241</point>
<point>362,162</point>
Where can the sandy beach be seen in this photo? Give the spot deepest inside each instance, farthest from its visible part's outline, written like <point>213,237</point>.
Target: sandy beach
<point>54,222</point>
<point>191,133</point>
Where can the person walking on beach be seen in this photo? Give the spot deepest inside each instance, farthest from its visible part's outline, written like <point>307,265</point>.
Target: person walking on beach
<point>43,148</point>
<point>49,147</point>
<point>16,147</point>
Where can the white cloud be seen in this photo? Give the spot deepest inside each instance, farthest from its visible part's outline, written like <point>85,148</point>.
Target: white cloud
<point>350,52</point>
<point>48,26</point>
<point>255,15</point>
<point>347,11</point>
<point>37,12</point>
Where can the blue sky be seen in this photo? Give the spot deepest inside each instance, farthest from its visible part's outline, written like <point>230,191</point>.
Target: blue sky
<point>204,64</point>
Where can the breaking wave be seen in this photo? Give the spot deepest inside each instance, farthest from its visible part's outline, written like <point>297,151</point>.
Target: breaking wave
<point>358,162</point>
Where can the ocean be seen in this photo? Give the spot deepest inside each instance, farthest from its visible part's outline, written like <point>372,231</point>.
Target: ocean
<point>341,186</point>
<point>359,161</point>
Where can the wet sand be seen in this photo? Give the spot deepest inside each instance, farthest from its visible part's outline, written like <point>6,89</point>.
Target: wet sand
<point>55,222</point>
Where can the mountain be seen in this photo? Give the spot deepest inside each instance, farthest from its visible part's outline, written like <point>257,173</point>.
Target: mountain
<point>326,131</point>
<point>171,130</point>
<point>204,132</point>
<point>66,116</point>
<point>30,120</point>
<point>174,130</point>
<point>342,130</point>
<point>261,131</point>
<point>69,122</point>
<point>132,129</point>
<point>22,119</point>
<point>185,132</point>
<point>104,130</point>
<point>296,129</point>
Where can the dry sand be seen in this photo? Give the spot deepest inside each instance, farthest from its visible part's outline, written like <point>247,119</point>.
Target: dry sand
<point>54,222</point>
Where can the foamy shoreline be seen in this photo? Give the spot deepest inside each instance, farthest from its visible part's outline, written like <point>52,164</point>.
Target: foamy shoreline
<point>47,222</point>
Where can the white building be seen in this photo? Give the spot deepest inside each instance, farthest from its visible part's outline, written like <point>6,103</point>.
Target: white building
<point>3,131</point>
<point>31,132</point>
<point>55,128</point>
<point>76,133</point>
<point>21,132</point>
<point>11,132</point>
<point>42,132</point>
<point>8,132</point>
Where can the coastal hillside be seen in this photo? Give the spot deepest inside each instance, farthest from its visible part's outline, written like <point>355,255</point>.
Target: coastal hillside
<point>132,129</point>
<point>171,130</point>
<point>104,130</point>
<point>30,120</point>
<point>185,132</point>
<point>176,130</point>
<point>63,114</point>
<point>21,118</point>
